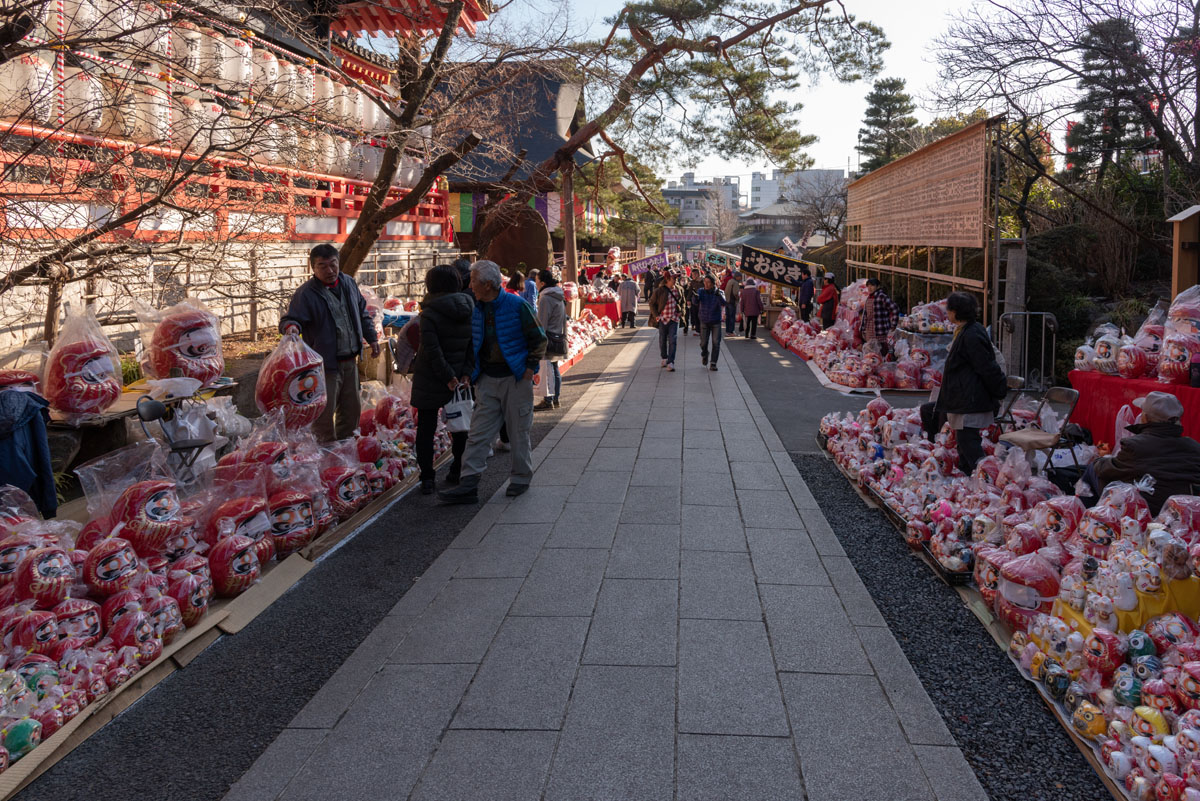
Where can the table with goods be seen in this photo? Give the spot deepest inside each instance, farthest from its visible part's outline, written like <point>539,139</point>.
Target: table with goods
<point>134,579</point>
<point>916,354</point>
<point>1098,606</point>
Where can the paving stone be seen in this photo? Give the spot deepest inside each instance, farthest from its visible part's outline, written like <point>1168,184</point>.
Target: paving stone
<point>921,722</point>
<point>606,486</point>
<point>860,607</point>
<point>460,623</point>
<point>588,428</point>
<point>628,420</point>
<point>843,709</point>
<point>712,528</point>
<point>701,439</point>
<point>326,707</point>
<point>720,768</point>
<point>538,505</point>
<point>622,438</point>
<point>474,531</point>
<point>709,489</point>
<point>563,581</point>
<point>672,429</point>
<point>651,505</point>
<point>748,451</point>
<point>718,586</point>
<point>430,583</point>
<point>785,556</point>
<point>743,431</point>
<point>702,421</point>
<point>705,460</point>
<point>560,470</point>
<point>493,765</point>
<point>643,550</point>
<point>756,476</point>
<point>525,680</point>
<point>810,631</point>
<point>618,743</point>
<point>949,774</point>
<point>801,495</point>
<point>585,525</point>
<point>575,446</point>
<point>381,744</point>
<point>727,682</point>
<point>733,410</point>
<point>656,473</point>
<point>277,766</point>
<point>823,538</point>
<point>634,624</point>
<point>508,551</point>
<point>768,509</point>
<point>619,459</point>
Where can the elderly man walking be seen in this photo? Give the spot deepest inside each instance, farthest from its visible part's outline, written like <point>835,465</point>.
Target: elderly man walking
<point>330,315</point>
<point>508,344</point>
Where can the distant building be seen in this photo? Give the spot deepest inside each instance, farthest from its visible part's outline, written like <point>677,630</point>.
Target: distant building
<point>766,191</point>
<point>700,203</point>
<point>685,238</point>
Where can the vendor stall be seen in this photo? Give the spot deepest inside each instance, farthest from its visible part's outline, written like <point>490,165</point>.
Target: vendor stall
<point>1097,607</point>
<point>1102,396</point>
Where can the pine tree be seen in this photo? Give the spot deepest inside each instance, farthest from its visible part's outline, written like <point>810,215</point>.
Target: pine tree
<point>887,125</point>
<point>1110,129</point>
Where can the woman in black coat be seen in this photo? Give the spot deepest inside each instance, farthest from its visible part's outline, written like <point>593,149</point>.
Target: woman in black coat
<point>973,385</point>
<point>445,359</point>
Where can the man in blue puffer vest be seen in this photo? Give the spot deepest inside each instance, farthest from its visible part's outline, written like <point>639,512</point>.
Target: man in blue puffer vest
<point>509,345</point>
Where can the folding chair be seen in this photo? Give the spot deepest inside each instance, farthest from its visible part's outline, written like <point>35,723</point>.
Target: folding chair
<point>1062,401</point>
<point>182,453</point>
<point>1016,388</point>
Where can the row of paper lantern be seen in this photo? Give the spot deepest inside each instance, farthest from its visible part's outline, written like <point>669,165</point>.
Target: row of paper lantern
<point>147,114</point>
<point>207,57</point>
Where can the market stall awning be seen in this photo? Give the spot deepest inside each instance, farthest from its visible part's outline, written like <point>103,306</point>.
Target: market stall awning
<point>389,17</point>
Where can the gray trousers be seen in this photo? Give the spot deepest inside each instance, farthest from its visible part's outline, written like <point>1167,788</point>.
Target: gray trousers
<point>501,401</point>
<point>341,396</point>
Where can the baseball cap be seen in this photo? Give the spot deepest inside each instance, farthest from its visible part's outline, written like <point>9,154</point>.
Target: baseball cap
<point>829,275</point>
<point>1160,407</point>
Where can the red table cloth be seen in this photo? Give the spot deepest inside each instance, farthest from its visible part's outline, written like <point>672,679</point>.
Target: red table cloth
<point>610,310</point>
<point>1102,396</point>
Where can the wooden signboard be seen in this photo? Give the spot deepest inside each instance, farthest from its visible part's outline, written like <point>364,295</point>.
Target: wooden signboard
<point>935,196</point>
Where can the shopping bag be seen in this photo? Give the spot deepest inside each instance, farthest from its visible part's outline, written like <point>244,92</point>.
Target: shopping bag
<point>458,410</point>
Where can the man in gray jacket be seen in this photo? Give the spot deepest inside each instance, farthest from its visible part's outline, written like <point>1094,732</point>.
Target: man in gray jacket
<point>330,315</point>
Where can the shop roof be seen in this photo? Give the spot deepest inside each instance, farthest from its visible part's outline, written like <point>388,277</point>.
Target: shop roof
<point>390,17</point>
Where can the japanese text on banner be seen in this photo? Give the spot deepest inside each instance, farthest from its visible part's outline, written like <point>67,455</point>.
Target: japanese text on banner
<point>773,267</point>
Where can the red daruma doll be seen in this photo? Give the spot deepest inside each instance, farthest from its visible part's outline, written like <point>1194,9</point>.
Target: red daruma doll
<point>292,379</point>
<point>83,373</point>
<point>187,343</point>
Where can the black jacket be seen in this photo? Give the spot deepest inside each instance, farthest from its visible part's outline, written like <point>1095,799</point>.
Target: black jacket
<point>310,311</point>
<point>1161,450</point>
<point>972,381</point>
<point>446,351</point>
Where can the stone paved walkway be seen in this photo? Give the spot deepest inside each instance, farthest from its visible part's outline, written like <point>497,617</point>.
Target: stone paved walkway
<point>665,615</point>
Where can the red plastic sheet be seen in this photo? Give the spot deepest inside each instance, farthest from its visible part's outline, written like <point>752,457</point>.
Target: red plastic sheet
<point>1102,396</point>
<point>610,310</point>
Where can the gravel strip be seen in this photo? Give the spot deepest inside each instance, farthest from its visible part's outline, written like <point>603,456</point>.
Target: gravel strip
<point>198,731</point>
<point>1008,736</point>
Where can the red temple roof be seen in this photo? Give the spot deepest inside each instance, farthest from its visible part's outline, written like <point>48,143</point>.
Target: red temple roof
<point>387,17</point>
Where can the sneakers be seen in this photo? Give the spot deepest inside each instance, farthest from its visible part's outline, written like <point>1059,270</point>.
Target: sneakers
<point>664,363</point>
<point>670,368</point>
<point>712,367</point>
<point>703,358</point>
<point>516,489</point>
<point>460,494</point>
<point>500,446</point>
<point>555,399</point>
<point>546,405</point>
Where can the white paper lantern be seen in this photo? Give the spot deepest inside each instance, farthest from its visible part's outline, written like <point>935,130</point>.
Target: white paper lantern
<point>80,17</point>
<point>326,153</point>
<point>153,116</point>
<point>186,48</point>
<point>213,56</point>
<point>325,97</point>
<point>289,146</point>
<point>120,108</point>
<point>27,89</point>
<point>266,72</point>
<point>83,102</point>
<point>239,68</point>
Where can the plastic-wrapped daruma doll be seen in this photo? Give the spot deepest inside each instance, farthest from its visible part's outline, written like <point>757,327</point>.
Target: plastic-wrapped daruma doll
<point>150,511</point>
<point>82,376</point>
<point>187,343</point>
<point>292,379</point>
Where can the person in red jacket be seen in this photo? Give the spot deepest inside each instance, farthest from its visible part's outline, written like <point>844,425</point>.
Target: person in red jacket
<point>827,301</point>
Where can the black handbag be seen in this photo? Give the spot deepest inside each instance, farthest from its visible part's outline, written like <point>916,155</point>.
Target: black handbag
<point>556,344</point>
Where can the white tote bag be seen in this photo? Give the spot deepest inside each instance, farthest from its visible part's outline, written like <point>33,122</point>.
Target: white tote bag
<point>458,410</point>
